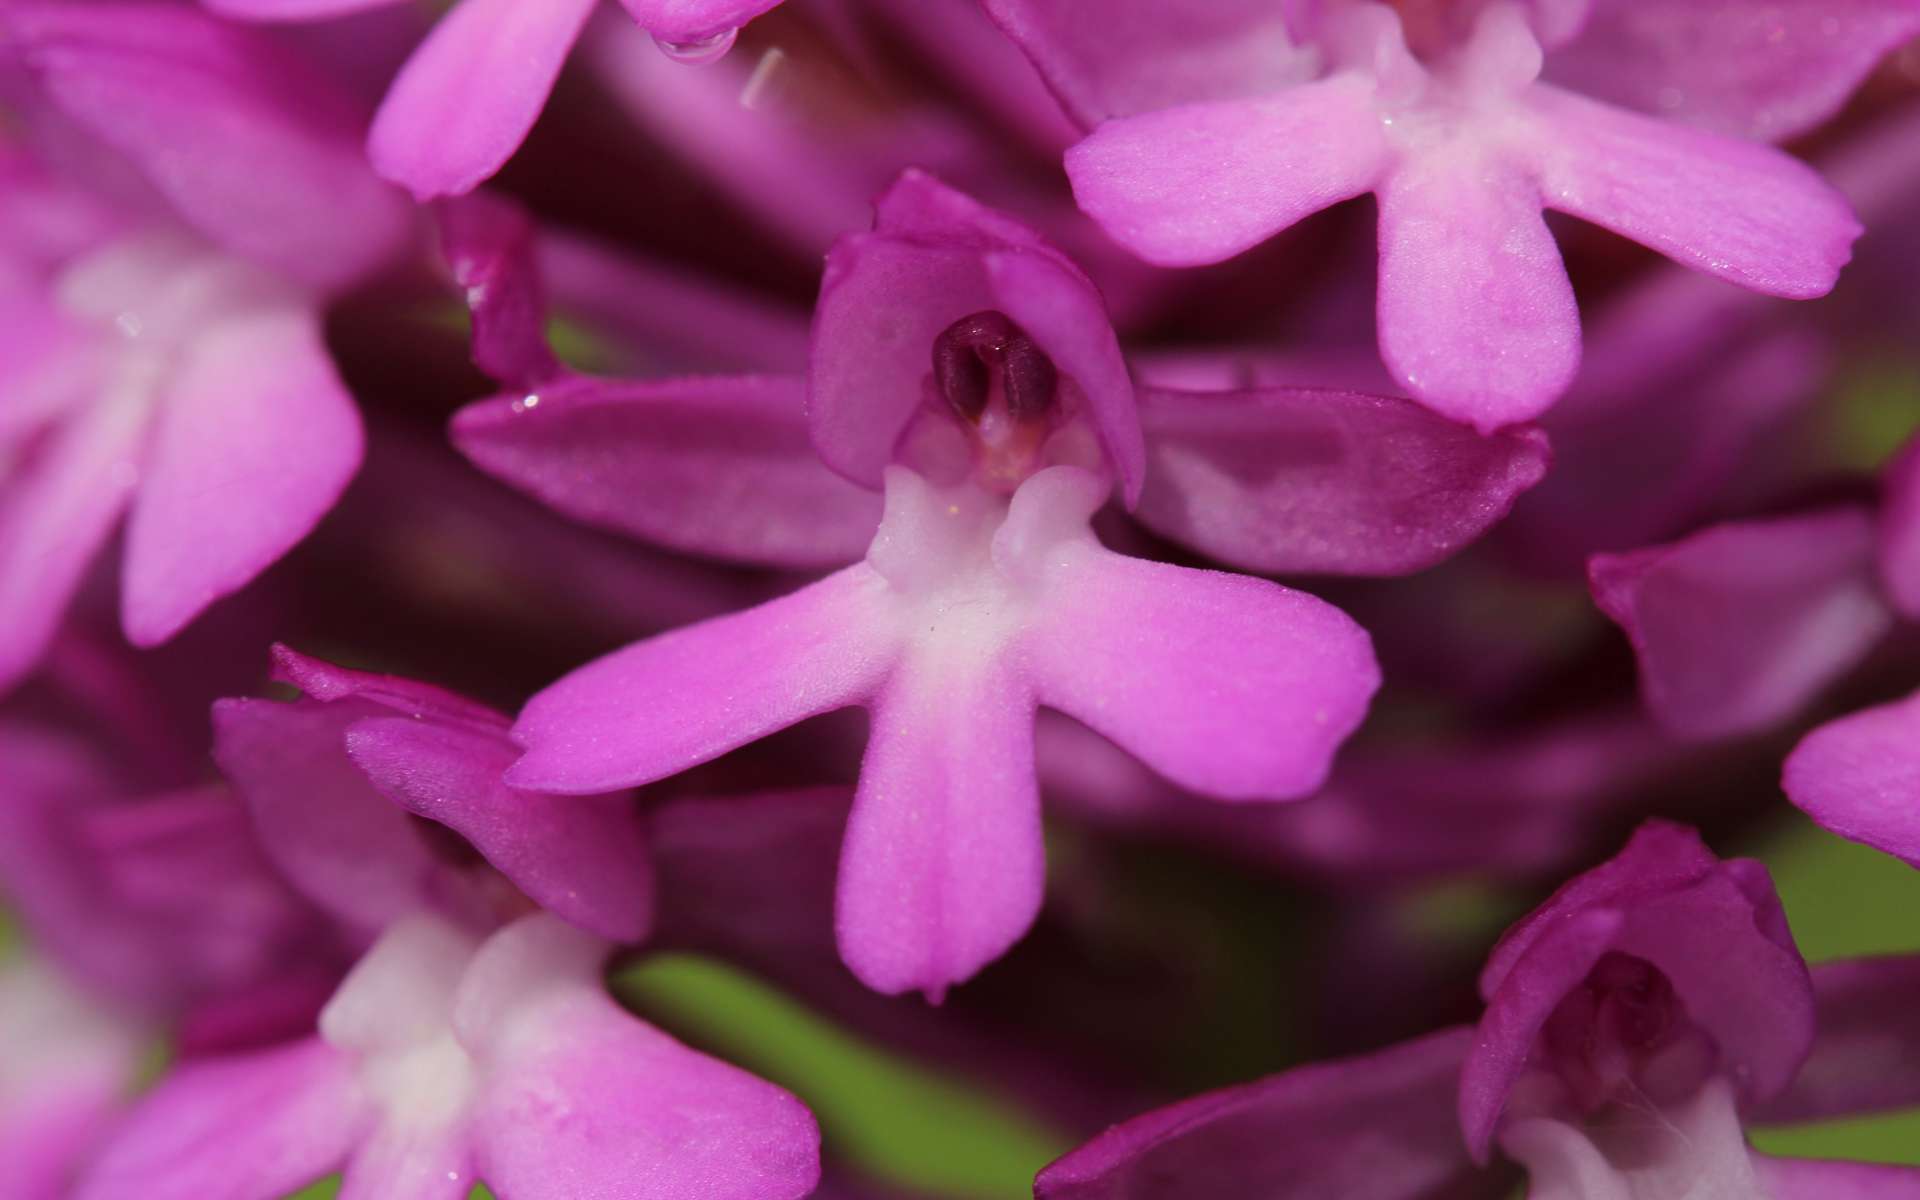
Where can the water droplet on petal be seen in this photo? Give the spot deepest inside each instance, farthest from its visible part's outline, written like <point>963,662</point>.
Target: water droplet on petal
<point>700,51</point>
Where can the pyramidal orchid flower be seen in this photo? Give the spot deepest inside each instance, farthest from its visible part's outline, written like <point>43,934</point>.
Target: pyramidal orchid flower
<point>1211,132</point>
<point>470,93</point>
<point>1634,1023</point>
<point>968,371</point>
<point>166,360</point>
<point>448,1059</point>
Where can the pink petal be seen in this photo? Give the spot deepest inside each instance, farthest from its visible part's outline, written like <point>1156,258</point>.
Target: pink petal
<point>292,10</point>
<point>718,466</point>
<point>254,149</point>
<point>943,866</point>
<point>1818,1179</point>
<point>54,519</point>
<point>1767,71</point>
<point>488,243</point>
<point>242,1128</point>
<point>1900,532</point>
<point>582,1099</point>
<point>1860,777</point>
<point>1116,58</point>
<point>1867,1019</point>
<point>466,99</point>
<point>1738,627</point>
<point>666,704</point>
<point>1744,212</point>
<point>1229,685</point>
<point>1200,183</point>
<point>1379,1126</point>
<point>337,840</point>
<point>1281,480</point>
<point>693,20</point>
<point>324,681</point>
<point>935,256</point>
<point>581,858</point>
<point>256,439</point>
<point>1477,318</point>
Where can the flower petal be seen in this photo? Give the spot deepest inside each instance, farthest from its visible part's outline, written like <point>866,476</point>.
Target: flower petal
<point>1477,318</point>
<point>1379,1126</point>
<point>719,466</point>
<point>1115,58</point>
<point>693,20</point>
<point>1744,212</point>
<point>1737,627</point>
<point>1900,531</point>
<point>943,866</point>
<point>488,243</point>
<point>1764,71</point>
<point>666,704</point>
<point>1280,480</point>
<point>1860,777</point>
<point>1867,1019</point>
<point>581,857</point>
<point>292,10</point>
<point>1196,184</point>
<point>1819,1179</point>
<point>583,1099</point>
<point>242,1128</point>
<point>256,439</point>
<point>1229,685</point>
<point>466,99</point>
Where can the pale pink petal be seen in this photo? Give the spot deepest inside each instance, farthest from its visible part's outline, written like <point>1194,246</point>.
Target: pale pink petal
<point>581,1099</point>
<point>943,867</point>
<point>256,439</point>
<point>693,20</point>
<point>666,704</point>
<point>1226,684</point>
<point>580,857</point>
<point>466,99</point>
<point>244,1128</point>
<point>1115,58</point>
<point>1281,480</point>
<point>55,517</point>
<point>1739,210</point>
<point>1860,777</point>
<point>718,466</point>
<point>1739,626</point>
<point>1199,183</point>
<point>1477,318</point>
<point>1900,532</point>
<point>1768,71</point>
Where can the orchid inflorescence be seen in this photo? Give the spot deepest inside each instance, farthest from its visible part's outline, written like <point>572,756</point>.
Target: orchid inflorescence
<point>982,366</point>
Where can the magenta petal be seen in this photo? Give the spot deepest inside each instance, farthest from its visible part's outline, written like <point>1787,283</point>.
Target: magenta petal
<point>246,1128</point>
<point>1737,627</point>
<point>1477,317</point>
<point>322,680</point>
<point>54,520</point>
<point>693,20</point>
<point>1281,480</point>
<point>943,866</point>
<point>488,243</point>
<point>580,857</point>
<point>1867,1021</point>
<point>256,151</point>
<point>718,466</point>
<point>1742,211</point>
<point>1860,777</point>
<point>1200,183</point>
<point>663,705</point>
<point>1900,531</point>
<point>936,256</point>
<point>1114,58</point>
<point>1818,1179</point>
<point>292,10</point>
<point>1379,1126</point>
<point>1229,685</point>
<point>581,1099</point>
<point>339,841</point>
<point>466,99</point>
<point>256,439</point>
<point>1770,71</point>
